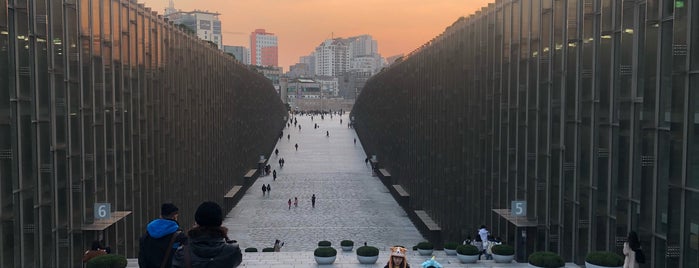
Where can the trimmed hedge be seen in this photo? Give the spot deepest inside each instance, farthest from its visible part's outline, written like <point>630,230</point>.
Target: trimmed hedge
<point>325,252</point>
<point>324,243</point>
<point>268,250</point>
<point>546,259</point>
<point>604,258</point>
<point>367,251</point>
<point>251,250</point>
<point>451,245</point>
<point>107,261</point>
<point>503,249</point>
<point>347,243</point>
<point>425,245</point>
<point>467,250</point>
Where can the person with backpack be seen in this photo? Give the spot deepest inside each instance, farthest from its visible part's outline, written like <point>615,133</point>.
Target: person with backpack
<point>208,245</point>
<point>633,255</point>
<point>163,236</point>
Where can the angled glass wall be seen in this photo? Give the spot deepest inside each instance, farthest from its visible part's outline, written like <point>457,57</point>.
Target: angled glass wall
<point>103,101</point>
<point>585,109</point>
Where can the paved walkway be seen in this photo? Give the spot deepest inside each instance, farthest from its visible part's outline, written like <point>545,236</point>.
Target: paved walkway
<point>351,203</point>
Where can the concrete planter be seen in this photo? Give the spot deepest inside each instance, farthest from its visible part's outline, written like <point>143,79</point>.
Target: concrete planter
<point>467,258</point>
<point>534,266</point>
<point>450,252</point>
<point>367,259</point>
<point>425,252</point>
<point>503,258</point>
<point>347,248</point>
<point>325,260</point>
<point>589,265</point>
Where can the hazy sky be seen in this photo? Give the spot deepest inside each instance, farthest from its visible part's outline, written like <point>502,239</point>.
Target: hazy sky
<point>399,26</point>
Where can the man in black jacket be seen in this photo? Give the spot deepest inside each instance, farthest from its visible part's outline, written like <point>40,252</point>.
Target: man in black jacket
<point>163,236</point>
<point>208,245</point>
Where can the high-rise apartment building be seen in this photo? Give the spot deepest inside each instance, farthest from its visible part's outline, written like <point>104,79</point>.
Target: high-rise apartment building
<point>336,56</point>
<point>332,57</point>
<point>205,24</point>
<point>263,48</point>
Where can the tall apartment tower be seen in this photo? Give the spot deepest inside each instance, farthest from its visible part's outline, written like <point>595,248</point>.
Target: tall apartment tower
<point>332,57</point>
<point>263,48</point>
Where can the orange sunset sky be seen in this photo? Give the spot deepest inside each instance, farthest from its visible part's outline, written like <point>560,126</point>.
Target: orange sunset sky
<point>399,26</point>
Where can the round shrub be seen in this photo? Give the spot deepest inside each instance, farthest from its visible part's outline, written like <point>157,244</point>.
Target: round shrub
<point>467,250</point>
<point>252,250</point>
<point>546,259</point>
<point>346,243</point>
<point>450,245</point>
<point>325,252</point>
<point>503,249</point>
<point>425,245</point>
<point>604,258</point>
<point>268,250</point>
<point>107,261</point>
<point>324,243</point>
<point>367,251</point>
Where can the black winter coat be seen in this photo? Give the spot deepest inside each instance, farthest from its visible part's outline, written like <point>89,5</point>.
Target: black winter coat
<point>208,248</point>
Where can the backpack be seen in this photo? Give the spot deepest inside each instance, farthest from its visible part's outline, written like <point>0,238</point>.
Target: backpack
<point>640,257</point>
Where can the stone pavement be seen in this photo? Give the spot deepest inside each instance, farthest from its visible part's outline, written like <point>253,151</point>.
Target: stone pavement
<point>351,203</point>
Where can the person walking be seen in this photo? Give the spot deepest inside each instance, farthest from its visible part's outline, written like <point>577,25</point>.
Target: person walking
<point>269,189</point>
<point>289,203</point>
<point>355,141</point>
<point>276,151</point>
<point>327,133</point>
<point>208,245</point>
<point>163,236</point>
<point>297,146</point>
<point>633,255</point>
<point>278,245</point>
<point>483,233</point>
<point>296,202</point>
<point>288,136</point>
<point>264,189</point>
<point>283,161</point>
<point>274,174</point>
<point>313,200</point>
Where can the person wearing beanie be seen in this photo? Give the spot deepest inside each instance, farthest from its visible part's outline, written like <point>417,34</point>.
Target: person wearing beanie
<point>163,236</point>
<point>397,258</point>
<point>208,245</point>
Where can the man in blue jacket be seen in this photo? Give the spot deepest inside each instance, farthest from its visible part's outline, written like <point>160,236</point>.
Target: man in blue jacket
<point>163,236</point>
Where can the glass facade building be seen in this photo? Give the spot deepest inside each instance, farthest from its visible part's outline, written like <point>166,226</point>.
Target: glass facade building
<point>103,101</point>
<point>588,110</point>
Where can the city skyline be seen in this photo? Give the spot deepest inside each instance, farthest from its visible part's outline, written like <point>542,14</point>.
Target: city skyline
<point>398,26</point>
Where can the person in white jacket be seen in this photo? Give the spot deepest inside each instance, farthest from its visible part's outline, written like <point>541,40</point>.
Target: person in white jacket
<point>632,251</point>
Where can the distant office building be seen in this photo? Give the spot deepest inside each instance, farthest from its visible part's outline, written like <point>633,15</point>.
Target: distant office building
<point>205,24</point>
<point>241,53</point>
<point>351,83</point>
<point>309,60</point>
<point>364,54</point>
<point>299,70</point>
<point>272,73</point>
<point>263,48</point>
<point>392,59</point>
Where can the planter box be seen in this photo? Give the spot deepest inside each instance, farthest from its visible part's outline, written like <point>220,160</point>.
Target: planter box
<point>589,265</point>
<point>367,259</point>
<point>467,258</point>
<point>425,252</point>
<point>347,248</point>
<point>325,260</point>
<point>503,258</point>
<point>450,252</point>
